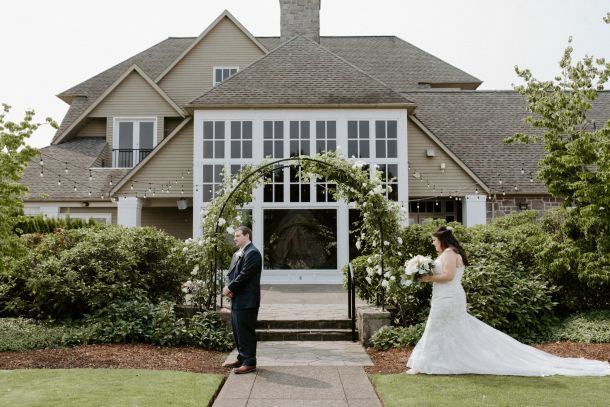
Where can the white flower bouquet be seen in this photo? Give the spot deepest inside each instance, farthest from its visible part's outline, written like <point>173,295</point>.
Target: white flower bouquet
<point>416,267</point>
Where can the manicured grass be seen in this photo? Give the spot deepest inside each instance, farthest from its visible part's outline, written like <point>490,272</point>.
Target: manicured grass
<point>475,390</point>
<point>106,387</point>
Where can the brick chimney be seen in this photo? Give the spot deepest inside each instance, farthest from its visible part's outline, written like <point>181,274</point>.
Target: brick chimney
<point>300,17</point>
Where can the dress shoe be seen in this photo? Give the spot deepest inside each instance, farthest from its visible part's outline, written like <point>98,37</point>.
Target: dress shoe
<point>245,369</point>
<point>235,364</point>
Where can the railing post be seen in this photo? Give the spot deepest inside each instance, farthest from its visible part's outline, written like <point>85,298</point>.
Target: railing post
<point>352,299</point>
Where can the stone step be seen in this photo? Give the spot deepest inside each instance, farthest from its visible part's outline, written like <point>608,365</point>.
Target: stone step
<point>304,334</point>
<point>305,324</point>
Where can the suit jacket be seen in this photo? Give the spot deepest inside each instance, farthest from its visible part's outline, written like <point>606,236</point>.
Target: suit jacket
<point>244,279</point>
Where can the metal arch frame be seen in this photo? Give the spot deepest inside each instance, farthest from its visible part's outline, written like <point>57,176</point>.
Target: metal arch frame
<point>261,171</point>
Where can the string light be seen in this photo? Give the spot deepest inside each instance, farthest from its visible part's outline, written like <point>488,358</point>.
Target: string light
<point>110,183</point>
<point>59,180</point>
<point>66,169</point>
<point>75,187</point>
<point>90,176</point>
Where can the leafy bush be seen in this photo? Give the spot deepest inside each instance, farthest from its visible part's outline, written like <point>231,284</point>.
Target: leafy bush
<point>20,334</point>
<point>397,337</point>
<point>205,329</point>
<point>136,320</point>
<point>582,287</point>
<point>40,224</point>
<point>587,327</point>
<point>70,273</point>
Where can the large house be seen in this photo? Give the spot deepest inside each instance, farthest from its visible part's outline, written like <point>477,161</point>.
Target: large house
<point>144,142</point>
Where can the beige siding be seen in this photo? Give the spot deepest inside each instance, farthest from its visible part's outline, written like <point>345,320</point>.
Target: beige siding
<point>171,220</point>
<point>94,127</point>
<point>454,178</point>
<point>224,45</point>
<point>112,211</point>
<point>170,163</point>
<point>133,97</point>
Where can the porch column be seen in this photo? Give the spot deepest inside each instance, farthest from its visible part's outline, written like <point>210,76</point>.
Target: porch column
<point>474,210</point>
<point>129,211</point>
<point>49,211</point>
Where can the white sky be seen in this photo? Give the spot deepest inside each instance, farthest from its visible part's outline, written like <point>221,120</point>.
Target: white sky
<point>50,46</point>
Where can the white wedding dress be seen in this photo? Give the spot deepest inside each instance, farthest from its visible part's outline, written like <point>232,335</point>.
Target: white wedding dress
<point>455,342</point>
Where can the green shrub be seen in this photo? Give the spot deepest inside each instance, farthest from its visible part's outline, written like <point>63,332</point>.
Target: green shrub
<point>41,224</point>
<point>20,334</point>
<point>70,273</point>
<point>586,327</point>
<point>136,320</point>
<point>205,329</point>
<point>397,337</point>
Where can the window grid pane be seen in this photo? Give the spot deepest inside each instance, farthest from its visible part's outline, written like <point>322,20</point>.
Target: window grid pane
<point>386,135</point>
<point>273,139</point>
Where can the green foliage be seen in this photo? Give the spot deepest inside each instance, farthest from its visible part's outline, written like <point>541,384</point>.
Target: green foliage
<point>205,329</point>
<point>19,334</point>
<point>70,273</point>
<point>397,337</point>
<point>135,320</point>
<point>40,224</point>
<point>560,259</point>
<point>577,161</point>
<point>586,327</point>
<point>15,155</point>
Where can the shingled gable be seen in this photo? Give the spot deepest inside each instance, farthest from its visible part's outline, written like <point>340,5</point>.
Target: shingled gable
<point>224,14</point>
<point>116,84</point>
<point>301,73</point>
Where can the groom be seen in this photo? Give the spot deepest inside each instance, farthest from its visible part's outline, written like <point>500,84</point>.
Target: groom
<point>244,289</point>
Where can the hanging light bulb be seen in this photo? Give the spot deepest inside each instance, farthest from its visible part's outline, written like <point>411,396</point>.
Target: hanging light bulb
<point>66,169</point>
<point>153,192</point>
<point>110,183</point>
<point>182,190</point>
<point>41,173</point>
<point>131,186</point>
<point>90,175</point>
<point>436,203</point>
<point>59,180</point>
<point>102,195</point>
<point>522,170</point>
<point>531,177</point>
<point>75,187</point>
<point>89,192</point>
<point>503,193</point>
<point>516,188</point>
<point>149,187</point>
<point>41,162</point>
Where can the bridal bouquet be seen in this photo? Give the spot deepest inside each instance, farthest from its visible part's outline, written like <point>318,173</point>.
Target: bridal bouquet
<point>416,267</point>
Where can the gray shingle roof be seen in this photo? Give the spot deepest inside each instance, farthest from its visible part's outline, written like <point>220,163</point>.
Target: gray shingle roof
<point>395,62</point>
<point>391,60</point>
<point>300,72</point>
<point>79,154</point>
<point>473,124</point>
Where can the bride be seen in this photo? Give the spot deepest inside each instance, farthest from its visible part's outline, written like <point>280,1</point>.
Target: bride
<point>455,342</point>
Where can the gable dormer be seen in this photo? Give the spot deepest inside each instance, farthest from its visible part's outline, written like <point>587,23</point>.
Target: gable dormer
<point>223,49</point>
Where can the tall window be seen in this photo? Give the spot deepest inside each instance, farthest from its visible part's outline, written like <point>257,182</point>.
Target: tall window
<point>213,139</point>
<point>241,139</point>
<point>358,138</point>
<point>273,139</point>
<point>222,73</point>
<point>299,138</point>
<point>133,140</point>
<point>273,191</point>
<point>389,178</point>
<point>326,136</point>
<point>324,190</point>
<point>386,139</point>
<point>212,179</point>
<point>300,191</point>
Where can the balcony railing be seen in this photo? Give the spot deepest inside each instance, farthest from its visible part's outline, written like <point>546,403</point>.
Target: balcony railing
<point>128,157</point>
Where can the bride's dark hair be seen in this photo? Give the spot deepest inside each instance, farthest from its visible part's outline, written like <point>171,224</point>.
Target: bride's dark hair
<point>447,238</point>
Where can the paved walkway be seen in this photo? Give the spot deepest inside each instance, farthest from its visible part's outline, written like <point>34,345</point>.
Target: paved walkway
<point>303,373</point>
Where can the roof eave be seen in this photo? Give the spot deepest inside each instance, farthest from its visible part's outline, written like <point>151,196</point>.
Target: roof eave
<point>205,106</point>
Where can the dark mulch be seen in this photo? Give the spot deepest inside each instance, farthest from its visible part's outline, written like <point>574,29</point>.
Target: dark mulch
<point>189,359</point>
<point>136,356</point>
<point>394,360</point>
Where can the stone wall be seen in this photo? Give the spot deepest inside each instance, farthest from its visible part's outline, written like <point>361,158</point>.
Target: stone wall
<point>504,205</point>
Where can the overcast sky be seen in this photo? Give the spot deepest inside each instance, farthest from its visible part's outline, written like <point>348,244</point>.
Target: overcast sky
<point>50,46</point>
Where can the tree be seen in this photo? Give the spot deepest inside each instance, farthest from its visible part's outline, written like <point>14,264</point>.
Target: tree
<point>577,161</point>
<point>15,155</point>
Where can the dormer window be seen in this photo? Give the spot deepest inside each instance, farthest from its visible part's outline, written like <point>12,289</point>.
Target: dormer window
<point>222,73</point>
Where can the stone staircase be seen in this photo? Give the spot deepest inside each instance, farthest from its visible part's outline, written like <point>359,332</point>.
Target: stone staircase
<point>304,330</point>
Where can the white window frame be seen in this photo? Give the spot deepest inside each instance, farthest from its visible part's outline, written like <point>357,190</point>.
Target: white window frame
<point>214,69</point>
<point>86,216</point>
<point>136,130</point>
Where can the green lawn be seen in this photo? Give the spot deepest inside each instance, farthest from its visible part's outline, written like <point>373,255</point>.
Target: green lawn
<point>474,390</point>
<point>106,387</point>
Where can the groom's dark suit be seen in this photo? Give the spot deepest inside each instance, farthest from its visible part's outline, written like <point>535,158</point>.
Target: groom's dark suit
<point>244,281</point>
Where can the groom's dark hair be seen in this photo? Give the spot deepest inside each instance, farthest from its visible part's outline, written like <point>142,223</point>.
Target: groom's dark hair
<point>448,240</point>
<point>245,230</point>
